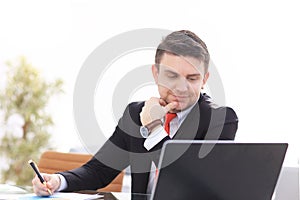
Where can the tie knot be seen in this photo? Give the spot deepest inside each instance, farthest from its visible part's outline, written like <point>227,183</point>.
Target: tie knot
<point>169,117</point>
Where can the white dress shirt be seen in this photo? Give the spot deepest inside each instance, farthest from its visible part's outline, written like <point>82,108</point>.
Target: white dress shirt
<point>158,134</point>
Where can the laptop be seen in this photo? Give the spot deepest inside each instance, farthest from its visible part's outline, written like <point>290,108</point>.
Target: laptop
<point>218,170</point>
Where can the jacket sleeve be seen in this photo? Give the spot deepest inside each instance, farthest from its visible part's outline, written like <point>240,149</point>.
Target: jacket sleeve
<point>107,163</point>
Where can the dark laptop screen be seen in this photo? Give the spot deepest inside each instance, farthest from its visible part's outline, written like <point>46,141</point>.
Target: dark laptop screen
<point>223,170</point>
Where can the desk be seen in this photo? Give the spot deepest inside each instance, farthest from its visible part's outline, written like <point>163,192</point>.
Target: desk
<point>15,193</point>
<point>107,196</point>
<point>119,195</point>
<point>125,196</point>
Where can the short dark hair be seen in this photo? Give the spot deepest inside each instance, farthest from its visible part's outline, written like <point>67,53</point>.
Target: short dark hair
<point>183,43</point>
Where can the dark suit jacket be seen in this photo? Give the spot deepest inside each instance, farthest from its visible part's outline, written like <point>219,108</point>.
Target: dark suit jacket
<point>125,147</point>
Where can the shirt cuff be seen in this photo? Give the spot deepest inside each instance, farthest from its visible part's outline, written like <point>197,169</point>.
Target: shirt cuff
<point>155,137</point>
<point>63,183</point>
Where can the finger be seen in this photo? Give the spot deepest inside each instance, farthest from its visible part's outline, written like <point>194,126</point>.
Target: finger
<point>46,176</point>
<point>50,181</point>
<point>162,102</point>
<point>152,100</point>
<point>49,185</point>
<point>42,193</point>
<point>36,182</point>
<point>40,190</point>
<point>170,106</point>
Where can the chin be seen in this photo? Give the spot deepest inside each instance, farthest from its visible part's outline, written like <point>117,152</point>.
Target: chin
<point>181,107</point>
<point>185,105</point>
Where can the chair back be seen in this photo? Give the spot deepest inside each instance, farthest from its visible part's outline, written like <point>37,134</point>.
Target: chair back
<point>53,161</point>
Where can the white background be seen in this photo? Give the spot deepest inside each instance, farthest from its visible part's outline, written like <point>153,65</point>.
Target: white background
<point>254,44</point>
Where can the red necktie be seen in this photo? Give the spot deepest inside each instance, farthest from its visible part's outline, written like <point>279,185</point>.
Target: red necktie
<point>168,118</point>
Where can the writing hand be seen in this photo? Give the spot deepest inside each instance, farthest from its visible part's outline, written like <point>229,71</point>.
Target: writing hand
<point>52,183</point>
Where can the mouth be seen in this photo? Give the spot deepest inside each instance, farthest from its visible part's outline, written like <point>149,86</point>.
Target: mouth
<point>180,97</point>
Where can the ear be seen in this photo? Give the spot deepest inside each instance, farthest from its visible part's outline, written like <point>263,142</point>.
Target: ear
<point>205,78</point>
<point>155,73</point>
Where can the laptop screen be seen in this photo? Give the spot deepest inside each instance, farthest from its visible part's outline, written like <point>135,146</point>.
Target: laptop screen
<point>218,170</point>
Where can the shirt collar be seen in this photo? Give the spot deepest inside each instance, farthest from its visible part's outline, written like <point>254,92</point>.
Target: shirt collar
<point>182,115</point>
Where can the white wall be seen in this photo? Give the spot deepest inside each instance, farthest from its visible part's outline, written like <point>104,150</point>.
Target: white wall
<point>254,45</point>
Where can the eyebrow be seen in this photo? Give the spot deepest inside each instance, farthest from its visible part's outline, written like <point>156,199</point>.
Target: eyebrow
<point>194,75</point>
<point>173,72</point>
<point>170,71</point>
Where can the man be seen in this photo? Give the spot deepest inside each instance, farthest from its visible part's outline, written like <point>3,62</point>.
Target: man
<point>181,112</point>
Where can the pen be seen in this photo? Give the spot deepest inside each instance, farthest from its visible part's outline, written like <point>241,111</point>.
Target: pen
<point>35,168</point>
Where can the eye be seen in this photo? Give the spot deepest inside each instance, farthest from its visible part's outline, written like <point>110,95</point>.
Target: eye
<point>193,78</point>
<point>172,75</point>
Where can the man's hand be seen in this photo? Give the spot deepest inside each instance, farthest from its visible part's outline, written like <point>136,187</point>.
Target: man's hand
<point>155,108</point>
<point>53,183</point>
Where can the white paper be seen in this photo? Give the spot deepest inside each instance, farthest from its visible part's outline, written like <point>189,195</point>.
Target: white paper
<point>62,195</point>
<point>122,195</point>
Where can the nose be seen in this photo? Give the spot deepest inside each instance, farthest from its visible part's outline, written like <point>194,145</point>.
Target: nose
<point>182,85</point>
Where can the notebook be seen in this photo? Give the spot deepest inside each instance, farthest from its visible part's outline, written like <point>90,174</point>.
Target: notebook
<point>213,170</point>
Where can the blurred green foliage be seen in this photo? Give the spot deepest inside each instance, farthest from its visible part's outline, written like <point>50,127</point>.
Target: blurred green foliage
<point>26,93</point>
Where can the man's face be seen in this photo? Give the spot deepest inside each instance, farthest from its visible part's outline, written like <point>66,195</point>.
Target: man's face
<point>179,79</point>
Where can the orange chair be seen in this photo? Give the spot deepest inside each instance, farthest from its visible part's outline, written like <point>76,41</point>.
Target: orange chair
<point>53,161</point>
